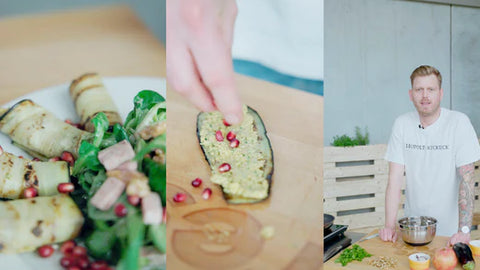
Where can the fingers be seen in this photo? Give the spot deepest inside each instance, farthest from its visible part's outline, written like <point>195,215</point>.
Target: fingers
<point>216,69</point>
<point>183,77</point>
<point>388,235</point>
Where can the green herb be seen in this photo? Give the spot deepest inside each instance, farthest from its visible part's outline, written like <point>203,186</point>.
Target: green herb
<point>345,140</point>
<point>350,254</point>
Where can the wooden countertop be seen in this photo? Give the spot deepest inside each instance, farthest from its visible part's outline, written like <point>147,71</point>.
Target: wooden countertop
<point>294,121</point>
<point>398,250</point>
<point>43,50</point>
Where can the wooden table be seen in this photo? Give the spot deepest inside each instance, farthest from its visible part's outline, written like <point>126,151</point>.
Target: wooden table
<point>398,250</point>
<point>294,123</point>
<point>38,51</point>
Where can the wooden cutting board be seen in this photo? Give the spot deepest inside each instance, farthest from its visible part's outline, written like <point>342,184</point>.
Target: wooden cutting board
<point>210,234</point>
<point>398,250</point>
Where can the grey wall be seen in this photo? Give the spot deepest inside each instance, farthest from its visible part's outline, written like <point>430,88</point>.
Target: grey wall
<point>152,12</point>
<point>466,63</point>
<point>371,48</point>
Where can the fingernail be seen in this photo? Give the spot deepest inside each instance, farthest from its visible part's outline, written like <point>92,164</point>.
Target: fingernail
<point>232,119</point>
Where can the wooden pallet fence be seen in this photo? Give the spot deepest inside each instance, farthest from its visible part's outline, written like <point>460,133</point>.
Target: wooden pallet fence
<point>355,179</point>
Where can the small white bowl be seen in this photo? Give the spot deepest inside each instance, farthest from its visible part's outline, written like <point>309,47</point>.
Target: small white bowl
<point>475,247</point>
<point>419,261</point>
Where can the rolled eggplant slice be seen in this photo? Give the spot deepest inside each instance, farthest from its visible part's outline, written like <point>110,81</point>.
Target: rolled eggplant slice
<point>39,132</point>
<point>90,98</point>
<point>29,223</point>
<point>248,175</point>
<point>17,174</point>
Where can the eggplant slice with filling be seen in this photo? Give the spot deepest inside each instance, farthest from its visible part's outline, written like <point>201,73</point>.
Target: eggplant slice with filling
<point>30,223</point>
<point>249,177</point>
<point>90,98</point>
<point>17,174</point>
<point>39,132</point>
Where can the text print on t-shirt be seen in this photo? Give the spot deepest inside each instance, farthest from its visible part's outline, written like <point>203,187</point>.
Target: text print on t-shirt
<point>425,147</point>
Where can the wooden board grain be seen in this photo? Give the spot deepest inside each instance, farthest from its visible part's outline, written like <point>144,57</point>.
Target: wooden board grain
<point>43,50</point>
<point>293,120</point>
<point>398,250</point>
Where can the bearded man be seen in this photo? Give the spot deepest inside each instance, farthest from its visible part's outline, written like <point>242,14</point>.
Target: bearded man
<point>435,148</point>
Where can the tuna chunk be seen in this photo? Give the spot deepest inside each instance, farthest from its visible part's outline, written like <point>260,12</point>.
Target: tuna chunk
<point>152,209</point>
<point>108,193</point>
<point>115,155</point>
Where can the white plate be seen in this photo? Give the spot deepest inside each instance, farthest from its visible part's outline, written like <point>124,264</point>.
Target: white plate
<point>57,100</point>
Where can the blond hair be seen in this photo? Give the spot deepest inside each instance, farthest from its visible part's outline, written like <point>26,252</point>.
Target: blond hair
<point>426,71</point>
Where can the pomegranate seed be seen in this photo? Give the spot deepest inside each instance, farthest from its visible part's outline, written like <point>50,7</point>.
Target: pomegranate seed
<point>82,262</point>
<point>79,251</point>
<point>180,197</point>
<point>20,157</point>
<point>234,143</point>
<point>68,157</point>
<point>231,135</point>
<point>35,159</point>
<point>226,123</point>
<point>68,121</point>
<point>54,159</point>
<point>74,267</point>
<point>1,150</point>
<point>219,136</point>
<point>197,182</point>
<point>133,200</point>
<point>67,262</point>
<point>65,187</point>
<point>206,193</point>
<point>30,192</point>
<point>120,210</point>
<point>45,251</point>
<point>67,247</point>
<point>98,265</point>
<point>225,167</point>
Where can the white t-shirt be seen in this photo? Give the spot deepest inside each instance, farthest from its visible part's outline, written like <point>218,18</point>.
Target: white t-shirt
<point>431,157</point>
<point>286,35</point>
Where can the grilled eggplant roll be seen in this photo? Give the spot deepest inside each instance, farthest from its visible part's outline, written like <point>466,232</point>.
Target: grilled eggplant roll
<point>29,223</point>
<point>240,157</point>
<point>39,132</point>
<point>90,97</point>
<point>17,174</point>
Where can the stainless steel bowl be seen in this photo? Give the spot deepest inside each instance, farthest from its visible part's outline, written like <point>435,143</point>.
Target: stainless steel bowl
<point>418,231</point>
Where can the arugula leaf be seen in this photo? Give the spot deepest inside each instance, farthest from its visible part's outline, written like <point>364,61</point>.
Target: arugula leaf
<point>158,235</point>
<point>88,159</point>
<point>100,243</point>
<point>156,174</point>
<point>136,231</point>
<point>118,134</point>
<point>155,115</point>
<point>143,102</point>
<point>100,121</point>
<point>143,148</point>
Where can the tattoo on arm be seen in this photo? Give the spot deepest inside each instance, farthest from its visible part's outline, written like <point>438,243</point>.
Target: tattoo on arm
<point>466,195</point>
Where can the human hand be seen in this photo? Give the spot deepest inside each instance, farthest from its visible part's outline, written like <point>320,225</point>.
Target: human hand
<point>388,234</point>
<point>199,57</point>
<point>459,237</point>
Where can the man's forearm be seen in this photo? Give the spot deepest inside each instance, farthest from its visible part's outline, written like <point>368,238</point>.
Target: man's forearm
<point>392,194</point>
<point>466,196</point>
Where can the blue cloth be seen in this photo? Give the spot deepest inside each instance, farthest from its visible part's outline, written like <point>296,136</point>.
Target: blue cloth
<point>265,73</point>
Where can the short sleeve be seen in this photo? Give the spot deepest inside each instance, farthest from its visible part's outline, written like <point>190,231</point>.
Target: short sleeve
<point>467,149</point>
<point>395,144</point>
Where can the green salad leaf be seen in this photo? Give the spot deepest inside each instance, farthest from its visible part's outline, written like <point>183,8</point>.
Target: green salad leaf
<point>118,240</point>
